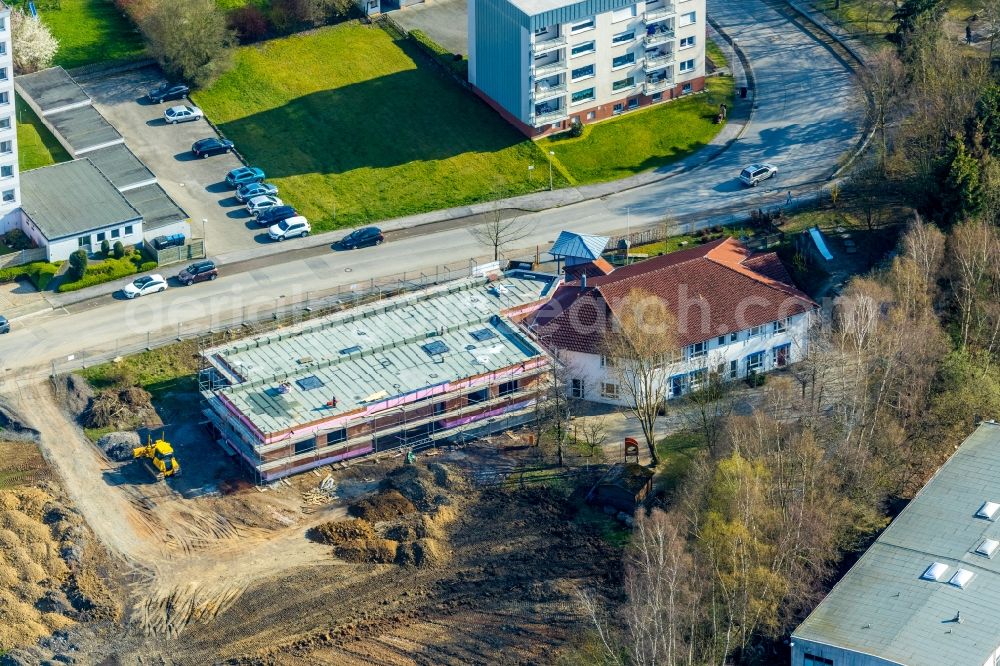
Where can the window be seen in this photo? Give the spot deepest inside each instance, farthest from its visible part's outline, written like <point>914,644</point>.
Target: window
<point>8,196</point>
<point>686,89</point>
<point>687,65</point>
<point>6,146</point>
<point>697,350</point>
<point>128,230</point>
<point>305,445</point>
<point>541,31</point>
<point>582,96</point>
<point>657,97</point>
<point>686,42</point>
<point>734,336</point>
<point>101,236</point>
<point>721,341</point>
<point>734,369</point>
<point>83,241</point>
<point>115,233</point>
<point>7,171</point>
<point>585,72</point>
<point>3,23</point>
<point>581,49</point>
<point>623,37</point>
<point>678,385</point>
<point>5,123</point>
<point>780,326</point>
<point>687,19</point>
<point>781,355</point>
<point>623,14</point>
<point>3,73</point>
<point>4,97</point>
<point>576,388</point>
<point>813,660</point>
<point>756,330</point>
<point>591,115</point>
<point>506,388</point>
<point>3,48</point>
<point>697,378</point>
<point>622,60</point>
<point>623,83</point>
<point>482,395</point>
<point>607,362</point>
<point>633,103</point>
<point>336,436</point>
<point>581,26</point>
<point>619,107</point>
<point>609,390</point>
<point>755,361</point>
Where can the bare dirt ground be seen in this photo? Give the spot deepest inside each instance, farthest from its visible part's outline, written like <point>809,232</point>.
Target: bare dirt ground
<point>211,578</point>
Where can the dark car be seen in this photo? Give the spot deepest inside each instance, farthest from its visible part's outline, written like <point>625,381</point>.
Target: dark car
<point>198,272</point>
<point>4,325</point>
<point>168,91</point>
<point>275,214</point>
<point>362,237</point>
<point>212,146</point>
<point>161,242</point>
<point>244,175</point>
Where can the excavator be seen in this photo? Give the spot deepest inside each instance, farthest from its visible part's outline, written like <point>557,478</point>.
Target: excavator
<point>158,457</point>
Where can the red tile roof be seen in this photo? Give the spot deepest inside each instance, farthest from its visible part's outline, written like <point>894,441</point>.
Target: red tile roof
<point>591,269</point>
<point>711,289</point>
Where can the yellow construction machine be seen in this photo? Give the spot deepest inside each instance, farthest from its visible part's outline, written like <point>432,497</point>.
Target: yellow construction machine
<point>158,457</point>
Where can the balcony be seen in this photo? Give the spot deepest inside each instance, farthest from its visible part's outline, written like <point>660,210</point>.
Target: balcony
<point>542,93</point>
<point>658,14</point>
<point>546,45</point>
<point>661,36</point>
<point>659,60</point>
<point>547,69</point>
<point>657,85</point>
<point>549,117</point>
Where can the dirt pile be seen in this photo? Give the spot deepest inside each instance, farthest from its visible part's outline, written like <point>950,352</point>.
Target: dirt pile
<point>374,551</point>
<point>383,505</point>
<point>78,395</point>
<point>426,486</point>
<point>422,553</point>
<point>122,408</point>
<point>340,531</point>
<point>118,445</point>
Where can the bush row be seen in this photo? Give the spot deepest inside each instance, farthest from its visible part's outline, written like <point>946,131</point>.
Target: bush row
<point>109,269</point>
<point>254,22</point>
<point>454,62</point>
<point>39,272</point>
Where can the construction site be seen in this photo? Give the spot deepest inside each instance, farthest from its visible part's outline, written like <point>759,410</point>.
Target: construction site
<point>351,489</point>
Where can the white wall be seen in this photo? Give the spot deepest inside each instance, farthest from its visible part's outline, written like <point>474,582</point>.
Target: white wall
<point>839,656</point>
<point>9,185</point>
<point>60,249</point>
<point>588,366</point>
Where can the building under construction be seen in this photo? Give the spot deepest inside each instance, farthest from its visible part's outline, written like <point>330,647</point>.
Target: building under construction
<point>440,364</point>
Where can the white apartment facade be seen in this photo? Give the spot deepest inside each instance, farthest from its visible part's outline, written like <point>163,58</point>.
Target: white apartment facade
<point>546,64</point>
<point>10,190</point>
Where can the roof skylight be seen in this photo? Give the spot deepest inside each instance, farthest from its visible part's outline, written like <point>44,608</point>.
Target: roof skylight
<point>988,510</point>
<point>961,578</point>
<point>988,547</point>
<point>936,572</point>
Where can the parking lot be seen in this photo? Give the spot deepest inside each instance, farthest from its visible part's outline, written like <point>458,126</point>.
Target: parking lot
<point>197,185</point>
<point>444,21</point>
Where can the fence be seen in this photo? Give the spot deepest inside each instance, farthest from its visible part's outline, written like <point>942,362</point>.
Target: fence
<point>248,319</point>
<point>23,257</point>
<point>172,255</point>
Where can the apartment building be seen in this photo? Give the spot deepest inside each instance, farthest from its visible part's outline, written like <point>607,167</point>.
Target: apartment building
<point>737,313</point>
<point>10,192</point>
<point>545,64</point>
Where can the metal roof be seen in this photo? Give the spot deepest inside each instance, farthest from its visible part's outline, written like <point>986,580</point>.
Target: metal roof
<point>85,200</point>
<point>156,207</point>
<point>52,89</point>
<point>380,351</point>
<point>121,166</point>
<point>84,128</point>
<point>883,608</point>
<point>578,246</point>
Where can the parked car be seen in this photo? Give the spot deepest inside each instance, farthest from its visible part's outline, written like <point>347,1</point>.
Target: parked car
<point>244,175</point>
<point>260,204</point>
<point>4,325</point>
<point>148,284</point>
<point>198,272</point>
<point>172,240</point>
<point>246,192</point>
<point>293,227</point>
<point>275,215</point>
<point>182,114</point>
<point>755,173</point>
<point>211,146</point>
<point>168,91</point>
<point>363,237</point>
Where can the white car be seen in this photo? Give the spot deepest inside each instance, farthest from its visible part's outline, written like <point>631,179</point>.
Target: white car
<point>293,227</point>
<point>755,173</point>
<point>148,284</point>
<point>261,203</point>
<point>182,114</point>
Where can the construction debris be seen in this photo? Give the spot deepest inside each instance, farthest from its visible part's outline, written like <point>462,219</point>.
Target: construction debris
<point>119,445</point>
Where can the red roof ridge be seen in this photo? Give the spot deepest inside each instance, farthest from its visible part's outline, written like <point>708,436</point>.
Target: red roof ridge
<point>723,257</point>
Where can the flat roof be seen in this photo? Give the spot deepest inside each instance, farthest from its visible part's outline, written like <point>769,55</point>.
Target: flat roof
<point>155,205</point>
<point>121,166</point>
<point>380,351</point>
<point>52,88</point>
<point>85,200</point>
<point>84,127</point>
<point>882,606</point>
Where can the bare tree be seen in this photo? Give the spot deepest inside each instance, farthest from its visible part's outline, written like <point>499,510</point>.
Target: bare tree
<point>593,431</point>
<point>640,347</point>
<point>498,233</point>
<point>883,80</point>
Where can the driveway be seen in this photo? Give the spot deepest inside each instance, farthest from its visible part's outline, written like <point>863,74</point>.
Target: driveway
<point>196,185</point>
<point>444,21</point>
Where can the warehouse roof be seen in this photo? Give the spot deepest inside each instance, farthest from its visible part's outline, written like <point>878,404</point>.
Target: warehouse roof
<point>155,205</point>
<point>84,128</point>
<point>52,89</point>
<point>121,166</point>
<point>374,353</point>
<point>885,606</point>
<point>86,200</point>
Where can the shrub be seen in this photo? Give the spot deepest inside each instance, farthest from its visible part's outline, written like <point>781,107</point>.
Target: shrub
<point>576,129</point>
<point>147,266</point>
<point>43,274</point>
<point>77,264</point>
<point>190,39</point>
<point>105,247</point>
<point>756,379</point>
<point>34,46</point>
<point>249,23</point>
<point>18,240</point>
<point>119,250</point>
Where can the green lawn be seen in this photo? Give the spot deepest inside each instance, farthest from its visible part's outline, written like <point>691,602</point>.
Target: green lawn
<point>89,31</point>
<point>642,140</point>
<point>715,53</point>
<point>36,146</point>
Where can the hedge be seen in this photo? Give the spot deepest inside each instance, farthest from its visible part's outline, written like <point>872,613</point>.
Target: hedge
<point>454,62</point>
<point>39,272</point>
<point>108,270</point>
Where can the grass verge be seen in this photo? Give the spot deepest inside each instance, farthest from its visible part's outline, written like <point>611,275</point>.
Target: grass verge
<point>36,146</point>
<point>90,31</point>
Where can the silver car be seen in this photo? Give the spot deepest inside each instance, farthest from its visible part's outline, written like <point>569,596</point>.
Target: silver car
<point>755,173</point>
<point>262,203</point>
<point>182,114</point>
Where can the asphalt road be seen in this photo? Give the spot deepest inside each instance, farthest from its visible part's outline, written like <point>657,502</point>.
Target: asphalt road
<point>807,118</point>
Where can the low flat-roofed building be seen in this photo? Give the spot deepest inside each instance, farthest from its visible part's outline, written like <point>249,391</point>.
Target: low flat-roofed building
<point>927,592</point>
<point>438,364</point>
<point>86,210</point>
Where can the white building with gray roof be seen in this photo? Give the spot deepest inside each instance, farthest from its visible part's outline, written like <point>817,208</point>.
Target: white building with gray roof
<point>927,592</point>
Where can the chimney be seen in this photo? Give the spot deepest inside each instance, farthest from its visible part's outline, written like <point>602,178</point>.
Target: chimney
<point>583,281</point>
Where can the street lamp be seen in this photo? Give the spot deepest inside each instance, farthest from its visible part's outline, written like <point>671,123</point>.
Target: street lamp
<point>551,153</point>
<point>204,235</point>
